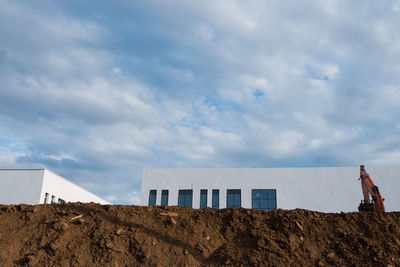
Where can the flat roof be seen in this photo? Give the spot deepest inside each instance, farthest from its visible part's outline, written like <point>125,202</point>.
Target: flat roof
<point>21,169</point>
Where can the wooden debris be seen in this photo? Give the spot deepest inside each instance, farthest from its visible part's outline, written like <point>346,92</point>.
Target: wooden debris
<point>76,218</point>
<point>171,214</point>
<point>299,226</point>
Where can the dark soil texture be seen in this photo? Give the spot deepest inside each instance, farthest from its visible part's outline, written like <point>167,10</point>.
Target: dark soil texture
<point>77,234</point>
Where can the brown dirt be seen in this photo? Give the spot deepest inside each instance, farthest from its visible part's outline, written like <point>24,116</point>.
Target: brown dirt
<point>177,236</point>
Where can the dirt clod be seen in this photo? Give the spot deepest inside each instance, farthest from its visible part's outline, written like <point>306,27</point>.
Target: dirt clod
<point>331,256</point>
<point>44,235</point>
<point>60,226</point>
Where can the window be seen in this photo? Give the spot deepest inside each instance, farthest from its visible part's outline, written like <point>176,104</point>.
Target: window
<point>152,197</point>
<point>215,199</point>
<point>53,199</point>
<point>185,198</point>
<point>233,198</point>
<point>203,198</point>
<point>61,201</point>
<point>263,199</point>
<point>46,198</point>
<point>164,198</point>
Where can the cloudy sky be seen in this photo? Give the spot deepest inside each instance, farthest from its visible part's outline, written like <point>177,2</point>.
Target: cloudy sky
<point>97,90</point>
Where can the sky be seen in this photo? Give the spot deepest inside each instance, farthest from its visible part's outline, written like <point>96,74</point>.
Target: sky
<point>96,91</point>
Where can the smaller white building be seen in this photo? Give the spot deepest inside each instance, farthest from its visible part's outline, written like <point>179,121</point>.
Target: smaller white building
<point>40,186</point>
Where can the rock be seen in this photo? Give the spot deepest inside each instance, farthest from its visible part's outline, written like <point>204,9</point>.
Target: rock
<point>172,221</point>
<point>32,260</point>
<point>119,231</point>
<point>53,246</point>
<point>108,244</point>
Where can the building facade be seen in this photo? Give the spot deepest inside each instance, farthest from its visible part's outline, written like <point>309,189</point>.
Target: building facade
<point>40,186</point>
<point>327,189</point>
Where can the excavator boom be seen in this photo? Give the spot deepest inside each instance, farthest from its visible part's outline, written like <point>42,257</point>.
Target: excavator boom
<point>370,189</point>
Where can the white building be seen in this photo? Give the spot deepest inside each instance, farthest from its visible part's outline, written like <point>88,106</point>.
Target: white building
<point>40,186</point>
<point>328,189</point>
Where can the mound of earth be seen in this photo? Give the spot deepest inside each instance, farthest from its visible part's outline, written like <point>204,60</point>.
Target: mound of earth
<point>77,234</point>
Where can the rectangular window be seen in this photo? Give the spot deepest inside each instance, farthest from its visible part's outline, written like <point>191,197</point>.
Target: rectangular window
<point>233,198</point>
<point>203,198</point>
<point>215,199</point>
<point>46,198</point>
<point>263,199</point>
<point>185,198</point>
<point>53,199</point>
<point>152,197</point>
<point>61,201</point>
<point>164,198</point>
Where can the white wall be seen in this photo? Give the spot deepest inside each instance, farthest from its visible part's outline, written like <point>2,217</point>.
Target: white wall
<point>59,187</point>
<point>28,186</point>
<point>332,189</point>
<point>14,184</point>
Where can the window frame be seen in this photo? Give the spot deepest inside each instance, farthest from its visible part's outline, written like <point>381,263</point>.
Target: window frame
<point>203,192</point>
<point>164,194</point>
<point>215,201</point>
<point>234,193</point>
<point>46,198</point>
<point>184,193</point>
<point>270,200</point>
<point>150,197</point>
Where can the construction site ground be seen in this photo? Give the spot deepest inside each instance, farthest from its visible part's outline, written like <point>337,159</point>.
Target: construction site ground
<point>77,234</point>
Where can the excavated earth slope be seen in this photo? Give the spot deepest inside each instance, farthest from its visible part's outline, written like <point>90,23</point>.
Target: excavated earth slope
<point>94,235</point>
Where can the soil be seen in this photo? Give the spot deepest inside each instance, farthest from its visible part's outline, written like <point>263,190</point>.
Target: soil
<point>77,234</point>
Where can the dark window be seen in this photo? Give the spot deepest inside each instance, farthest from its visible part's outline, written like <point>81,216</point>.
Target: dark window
<point>61,201</point>
<point>233,198</point>
<point>185,198</point>
<point>53,199</point>
<point>215,199</point>
<point>203,198</point>
<point>264,199</point>
<point>152,197</point>
<point>46,197</point>
<point>164,198</point>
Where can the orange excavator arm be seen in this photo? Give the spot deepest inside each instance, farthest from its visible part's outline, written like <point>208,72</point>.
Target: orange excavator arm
<point>370,189</point>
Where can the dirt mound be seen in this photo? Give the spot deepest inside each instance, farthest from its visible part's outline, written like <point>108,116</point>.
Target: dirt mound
<point>94,235</point>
